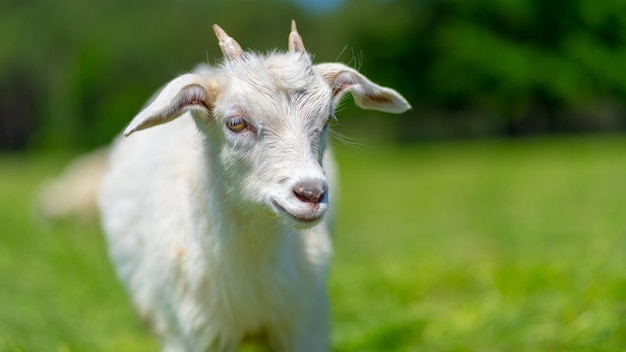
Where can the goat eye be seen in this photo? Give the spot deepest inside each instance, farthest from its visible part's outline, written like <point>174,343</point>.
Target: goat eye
<point>237,124</point>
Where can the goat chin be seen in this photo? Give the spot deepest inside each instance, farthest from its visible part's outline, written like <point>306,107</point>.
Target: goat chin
<point>217,208</point>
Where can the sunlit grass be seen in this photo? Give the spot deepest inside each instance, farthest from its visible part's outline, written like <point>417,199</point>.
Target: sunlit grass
<point>490,246</point>
<point>57,289</point>
<point>500,246</point>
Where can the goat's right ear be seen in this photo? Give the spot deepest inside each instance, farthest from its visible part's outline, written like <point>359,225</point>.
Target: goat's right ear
<point>184,93</point>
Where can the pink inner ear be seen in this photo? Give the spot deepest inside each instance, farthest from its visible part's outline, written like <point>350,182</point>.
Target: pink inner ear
<point>189,96</point>
<point>340,88</point>
<point>378,98</point>
<point>342,81</point>
<point>193,95</point>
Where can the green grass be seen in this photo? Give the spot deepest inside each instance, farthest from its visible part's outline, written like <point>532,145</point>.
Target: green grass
<point>474,246</point>
<point>57,289</point>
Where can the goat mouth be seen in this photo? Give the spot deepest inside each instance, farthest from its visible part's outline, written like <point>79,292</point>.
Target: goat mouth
<point>310,218</point>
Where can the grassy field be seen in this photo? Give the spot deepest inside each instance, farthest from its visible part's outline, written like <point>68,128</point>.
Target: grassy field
<point>487,246</point>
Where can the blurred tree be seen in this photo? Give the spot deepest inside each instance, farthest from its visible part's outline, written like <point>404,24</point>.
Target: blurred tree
<point>73,75</point>
<point>522,61</point>
<point>497,67</point>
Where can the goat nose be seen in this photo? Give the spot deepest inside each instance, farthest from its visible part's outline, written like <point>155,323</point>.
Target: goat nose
<point>310,191</point>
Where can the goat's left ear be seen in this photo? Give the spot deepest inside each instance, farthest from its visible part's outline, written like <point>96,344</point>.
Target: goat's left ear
<point>366,94</point>
<point>184,93</point>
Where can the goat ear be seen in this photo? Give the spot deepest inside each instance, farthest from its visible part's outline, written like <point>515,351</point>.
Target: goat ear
<point>366,94</point>
<point>185,93</point>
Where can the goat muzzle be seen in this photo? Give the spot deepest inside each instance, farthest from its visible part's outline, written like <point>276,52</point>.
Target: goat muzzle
<point>310,191</point>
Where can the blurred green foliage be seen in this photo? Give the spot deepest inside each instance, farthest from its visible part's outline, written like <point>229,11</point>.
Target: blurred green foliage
<point>72,74</point>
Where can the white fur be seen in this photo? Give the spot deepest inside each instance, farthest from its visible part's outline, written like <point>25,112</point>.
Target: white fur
<point>203,223</point>
<point>73,193</point>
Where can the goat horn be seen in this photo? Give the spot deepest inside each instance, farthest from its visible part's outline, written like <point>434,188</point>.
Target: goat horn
<point>230,48</point>
<point>295,40</point>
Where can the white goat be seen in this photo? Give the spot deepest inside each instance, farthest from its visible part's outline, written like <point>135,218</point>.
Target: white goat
<point>217,222</point>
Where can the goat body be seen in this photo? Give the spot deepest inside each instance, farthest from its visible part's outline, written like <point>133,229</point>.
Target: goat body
<point>217,217</point>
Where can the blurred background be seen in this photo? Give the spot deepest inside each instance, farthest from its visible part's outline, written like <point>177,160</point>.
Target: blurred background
<point>490,217</point>
<point>73,74</point>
